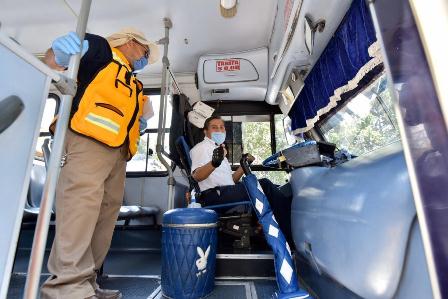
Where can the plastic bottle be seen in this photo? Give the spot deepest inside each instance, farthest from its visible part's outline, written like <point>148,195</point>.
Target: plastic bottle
<point>193,203</point>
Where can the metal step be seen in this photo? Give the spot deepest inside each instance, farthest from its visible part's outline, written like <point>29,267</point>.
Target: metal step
<point>245,266</point>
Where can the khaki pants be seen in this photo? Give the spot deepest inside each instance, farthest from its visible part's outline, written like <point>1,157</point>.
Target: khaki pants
<point>88,199</point>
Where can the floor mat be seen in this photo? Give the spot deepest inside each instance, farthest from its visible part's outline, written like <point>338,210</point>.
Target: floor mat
<point>131,287</point>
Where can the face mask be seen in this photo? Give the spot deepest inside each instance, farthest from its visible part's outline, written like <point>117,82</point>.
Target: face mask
<point>219,137</point>
<point>140,63</point>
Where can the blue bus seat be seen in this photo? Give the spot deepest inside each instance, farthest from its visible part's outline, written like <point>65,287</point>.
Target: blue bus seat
<point>184,153</point>
<point>37,182</point>
<point>236,225</point>
<point>34,196</point>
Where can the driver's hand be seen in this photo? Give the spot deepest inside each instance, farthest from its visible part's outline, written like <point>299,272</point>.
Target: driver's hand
<point>250,158</point>
<point>218,156</point>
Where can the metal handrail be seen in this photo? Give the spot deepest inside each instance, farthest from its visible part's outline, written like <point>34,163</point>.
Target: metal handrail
<point>162,113</point>
<point>43,221</point>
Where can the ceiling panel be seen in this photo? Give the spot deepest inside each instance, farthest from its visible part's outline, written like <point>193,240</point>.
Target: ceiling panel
<point>36,23</point>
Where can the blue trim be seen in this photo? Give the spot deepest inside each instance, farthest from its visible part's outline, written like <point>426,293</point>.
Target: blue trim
<point>341,60</point>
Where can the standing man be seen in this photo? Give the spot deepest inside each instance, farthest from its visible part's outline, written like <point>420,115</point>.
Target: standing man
<point>219,185</point>
<point>103,134</point>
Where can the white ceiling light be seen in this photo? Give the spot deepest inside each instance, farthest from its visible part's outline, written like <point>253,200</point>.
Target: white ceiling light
<point>228,8</point>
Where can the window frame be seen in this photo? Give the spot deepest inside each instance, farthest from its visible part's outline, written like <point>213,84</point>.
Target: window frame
<point>57,99</point>
<point>162,173</point>
<point>347,99</point>
<point>241,108</point>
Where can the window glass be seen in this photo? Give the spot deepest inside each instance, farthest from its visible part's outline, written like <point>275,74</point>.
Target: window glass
<point>49,113</point>
<point>252,134</point>
<point>141,162</point>
<point>366,122</point>
<point>47,117</point>
<point>248,134</point>
<point>153,122</point>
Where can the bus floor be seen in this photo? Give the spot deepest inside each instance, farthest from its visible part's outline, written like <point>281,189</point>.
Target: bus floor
<point>134,262</point>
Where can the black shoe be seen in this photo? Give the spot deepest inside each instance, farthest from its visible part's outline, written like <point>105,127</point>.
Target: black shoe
<point>108,294</point>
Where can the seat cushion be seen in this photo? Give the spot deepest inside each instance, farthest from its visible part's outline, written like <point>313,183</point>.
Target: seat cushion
<point>130,212</point>
<point>148,211</point>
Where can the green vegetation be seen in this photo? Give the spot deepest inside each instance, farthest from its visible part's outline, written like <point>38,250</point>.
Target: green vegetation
<point>257,141</point>
<point>366,123</point>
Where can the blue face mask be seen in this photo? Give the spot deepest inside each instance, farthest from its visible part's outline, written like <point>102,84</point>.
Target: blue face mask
<point>218,137</point>
<point>140,63</point>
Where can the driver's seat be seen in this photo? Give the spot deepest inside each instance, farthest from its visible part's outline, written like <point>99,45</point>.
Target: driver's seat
<point>238,225</point>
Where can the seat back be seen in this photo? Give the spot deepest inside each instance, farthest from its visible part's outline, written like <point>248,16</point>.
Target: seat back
<point>184,152</point>
<point>183,149</point>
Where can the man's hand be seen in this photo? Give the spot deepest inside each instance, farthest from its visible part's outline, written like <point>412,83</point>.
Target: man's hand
<point>250,158</point>
<point>142,124</point>
<point>218,156</point>
<point>66,46</point>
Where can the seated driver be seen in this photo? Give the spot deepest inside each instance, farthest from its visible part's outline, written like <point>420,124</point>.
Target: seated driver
<point>211,169</point>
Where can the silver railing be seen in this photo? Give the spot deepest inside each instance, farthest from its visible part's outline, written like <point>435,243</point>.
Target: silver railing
<point>162,113</point>
<point>43,221</point>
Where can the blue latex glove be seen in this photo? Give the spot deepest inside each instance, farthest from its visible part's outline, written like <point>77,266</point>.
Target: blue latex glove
<point>143,124</point>
<point>66,46</point>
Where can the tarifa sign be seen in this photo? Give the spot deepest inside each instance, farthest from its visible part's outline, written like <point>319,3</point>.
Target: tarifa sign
<point>227,65</point>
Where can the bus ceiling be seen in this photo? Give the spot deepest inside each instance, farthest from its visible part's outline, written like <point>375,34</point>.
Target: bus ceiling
<point>286,38</point>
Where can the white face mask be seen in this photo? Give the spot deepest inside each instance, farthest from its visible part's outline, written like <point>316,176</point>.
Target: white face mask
<point>218,137</point>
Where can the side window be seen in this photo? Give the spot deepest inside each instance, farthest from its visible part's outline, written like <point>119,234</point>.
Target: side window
<point>252,134</point>
<point>366,122</point>
<point>142,162</point>
<point>50,110</point>
<point>283,135</point>
<point>248,134</point>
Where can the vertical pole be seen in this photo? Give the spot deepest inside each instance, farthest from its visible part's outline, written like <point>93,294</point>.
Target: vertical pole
<point>43,221</point>
<point>163,99</point>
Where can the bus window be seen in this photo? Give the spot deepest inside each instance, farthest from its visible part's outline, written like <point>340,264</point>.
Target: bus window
<point>50,110</point>
<point>364,123</point>
<point>141,162</point>
<point>252,134</point>
<point>283,135</point>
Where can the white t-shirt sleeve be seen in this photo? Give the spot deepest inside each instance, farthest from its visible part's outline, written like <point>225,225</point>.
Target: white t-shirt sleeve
<point>199,157</point>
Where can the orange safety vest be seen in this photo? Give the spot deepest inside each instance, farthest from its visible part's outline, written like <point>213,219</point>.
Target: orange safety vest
<point>110,108</point>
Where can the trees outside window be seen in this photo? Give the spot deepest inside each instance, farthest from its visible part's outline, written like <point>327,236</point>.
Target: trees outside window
<point>366,122</point>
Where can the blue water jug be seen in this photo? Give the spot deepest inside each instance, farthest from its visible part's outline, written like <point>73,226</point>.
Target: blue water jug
<point>189,238</point>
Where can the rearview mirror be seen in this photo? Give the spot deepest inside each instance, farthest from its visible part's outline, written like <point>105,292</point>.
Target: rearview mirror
<point>309,34</point>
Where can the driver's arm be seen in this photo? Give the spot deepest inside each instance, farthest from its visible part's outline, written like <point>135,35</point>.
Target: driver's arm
<point>204,171</point>
<point>238,173</point>
<point>201,173</point>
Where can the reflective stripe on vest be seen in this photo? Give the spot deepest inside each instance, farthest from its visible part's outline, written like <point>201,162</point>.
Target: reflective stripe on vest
<point>103,122</point>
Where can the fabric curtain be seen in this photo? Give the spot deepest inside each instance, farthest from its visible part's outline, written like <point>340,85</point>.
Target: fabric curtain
<point>351,54</point>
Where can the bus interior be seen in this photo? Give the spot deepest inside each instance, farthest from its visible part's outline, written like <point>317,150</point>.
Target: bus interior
<point>341,102</point>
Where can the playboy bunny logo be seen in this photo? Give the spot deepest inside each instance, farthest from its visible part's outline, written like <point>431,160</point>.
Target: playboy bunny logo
<point>201,262</point>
